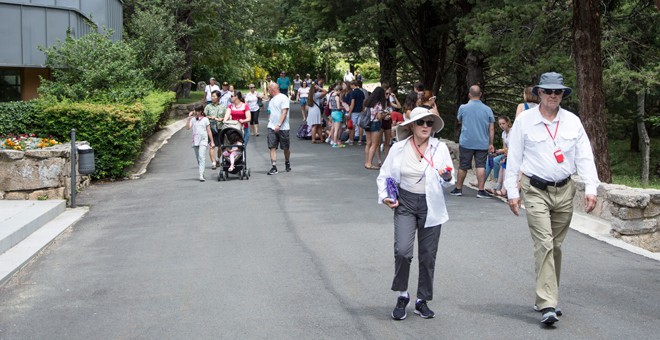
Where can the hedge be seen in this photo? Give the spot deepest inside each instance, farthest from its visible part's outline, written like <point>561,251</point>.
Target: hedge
<point>115,131</point>
<point>17,117</point>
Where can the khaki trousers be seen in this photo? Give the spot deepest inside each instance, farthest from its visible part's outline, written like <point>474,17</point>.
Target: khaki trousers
<point>549,214</point>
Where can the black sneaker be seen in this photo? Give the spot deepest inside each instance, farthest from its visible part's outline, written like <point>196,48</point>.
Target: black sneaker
<point>457,192</point>
<point>483,194</point>
<point>557,310</point>
<point>399,312</point>
<point>287,166</point>
<point>549,316</point>
<point>272,171</point>
<point>423,310</point>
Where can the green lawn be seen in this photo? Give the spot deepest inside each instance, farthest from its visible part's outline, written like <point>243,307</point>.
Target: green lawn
<point>195,96</point>
<point>627,165</point>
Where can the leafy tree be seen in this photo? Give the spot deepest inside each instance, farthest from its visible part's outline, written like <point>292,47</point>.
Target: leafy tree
<point>632,66</point>
<point>94,68</point>
<point>152,33</point>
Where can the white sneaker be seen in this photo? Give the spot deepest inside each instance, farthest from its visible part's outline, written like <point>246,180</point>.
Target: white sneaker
<point>201,178</point>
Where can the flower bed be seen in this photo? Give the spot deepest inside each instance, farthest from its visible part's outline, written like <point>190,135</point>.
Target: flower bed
<point>26,142</point>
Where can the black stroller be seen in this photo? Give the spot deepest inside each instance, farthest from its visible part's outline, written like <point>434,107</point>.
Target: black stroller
<point>232,141</point>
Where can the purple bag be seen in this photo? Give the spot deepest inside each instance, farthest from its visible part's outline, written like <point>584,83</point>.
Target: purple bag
<point>392,190</point>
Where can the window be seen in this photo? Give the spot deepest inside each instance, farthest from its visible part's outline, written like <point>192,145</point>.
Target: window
<point>10,85</point>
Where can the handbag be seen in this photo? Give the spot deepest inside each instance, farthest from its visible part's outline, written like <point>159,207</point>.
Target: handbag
<point>260,102</point>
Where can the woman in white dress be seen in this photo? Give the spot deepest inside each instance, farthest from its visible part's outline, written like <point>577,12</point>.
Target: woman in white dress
<point>314,106</point>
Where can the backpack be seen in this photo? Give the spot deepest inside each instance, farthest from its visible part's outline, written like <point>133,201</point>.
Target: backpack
<point>304,131</point>
<point>365,119</point>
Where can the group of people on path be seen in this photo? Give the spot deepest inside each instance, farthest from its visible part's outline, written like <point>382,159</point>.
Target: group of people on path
<point>534,165</point>
<point>540,158</point>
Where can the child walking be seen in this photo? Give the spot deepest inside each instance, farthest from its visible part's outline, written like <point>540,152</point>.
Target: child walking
<point>201,136</point>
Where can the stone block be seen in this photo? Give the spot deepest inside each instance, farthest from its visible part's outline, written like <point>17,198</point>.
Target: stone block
<point>652,210</point>
<point>650,242</point>
<point>11,155</point>
<point>655,195</point>
<point>629,198</point>
<point>626,213</point>
<point>31,174</point>
<point>635,227</point>
<point>54,151</point>
<point>16,195</point>
<point>51,194</point>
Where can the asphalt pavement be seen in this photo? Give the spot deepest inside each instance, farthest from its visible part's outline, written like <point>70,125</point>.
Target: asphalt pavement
<point>306,254</point>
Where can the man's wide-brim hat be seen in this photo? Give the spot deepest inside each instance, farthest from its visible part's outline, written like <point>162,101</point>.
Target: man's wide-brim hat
<point>403,130</point>
<point>552,81</point>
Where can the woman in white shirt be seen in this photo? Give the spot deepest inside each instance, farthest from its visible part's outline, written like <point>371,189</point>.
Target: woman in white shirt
<point>410,182</point>
<point>252,100</point>
<point>303,94</point>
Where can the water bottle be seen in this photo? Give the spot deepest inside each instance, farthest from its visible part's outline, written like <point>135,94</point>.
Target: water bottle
<point>491,163</point>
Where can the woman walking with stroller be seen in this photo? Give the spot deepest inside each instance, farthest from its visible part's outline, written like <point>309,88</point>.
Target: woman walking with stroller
<point>201,137</point>
<point>240,111</point>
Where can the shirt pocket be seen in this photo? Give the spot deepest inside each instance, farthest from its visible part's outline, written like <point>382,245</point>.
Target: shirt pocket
<point>537,138</point>
<point>567,140</point>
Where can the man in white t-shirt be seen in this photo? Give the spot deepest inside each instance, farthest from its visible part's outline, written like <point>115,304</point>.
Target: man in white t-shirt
<point>278,127</point>
<point>212,86</point>
<point>348,76</point>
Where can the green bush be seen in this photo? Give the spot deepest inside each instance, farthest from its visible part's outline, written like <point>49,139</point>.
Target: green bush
<point>115,131</point>
<point>94,68</point>
<point>17,117</point>
<point>369,70</point>
<point>154,115</point>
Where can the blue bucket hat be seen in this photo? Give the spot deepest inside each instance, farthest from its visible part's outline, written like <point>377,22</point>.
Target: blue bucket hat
<point>552,81</point>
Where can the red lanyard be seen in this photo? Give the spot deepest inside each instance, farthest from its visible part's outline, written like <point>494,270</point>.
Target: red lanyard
<point>430,162</point>
<point>556,129</point>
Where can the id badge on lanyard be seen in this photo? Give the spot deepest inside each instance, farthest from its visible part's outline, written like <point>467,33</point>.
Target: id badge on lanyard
<point>559,155</point>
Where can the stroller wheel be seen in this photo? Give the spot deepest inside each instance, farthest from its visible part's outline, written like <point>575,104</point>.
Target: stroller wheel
<point>225,174</point>
<point>219,176</point>
<point>248,174</point>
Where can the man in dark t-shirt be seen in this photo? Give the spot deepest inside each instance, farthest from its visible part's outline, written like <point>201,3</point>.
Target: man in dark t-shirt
<point>356,100</point>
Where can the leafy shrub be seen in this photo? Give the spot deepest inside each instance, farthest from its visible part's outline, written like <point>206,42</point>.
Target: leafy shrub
<point>369,70</point>
<point>154,114</point>
<point>93,68</point>
<point>16,117</point>
<point>115,131</point>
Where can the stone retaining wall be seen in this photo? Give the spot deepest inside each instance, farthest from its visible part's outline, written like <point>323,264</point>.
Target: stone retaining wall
<point>38,174</point>
<point>633,213</point>
<point>180,110</point>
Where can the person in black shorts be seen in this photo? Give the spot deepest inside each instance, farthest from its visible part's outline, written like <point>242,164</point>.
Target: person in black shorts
<point>278,127</point>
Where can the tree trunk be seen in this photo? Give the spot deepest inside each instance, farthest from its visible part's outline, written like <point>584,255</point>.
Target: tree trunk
<point>589,70</point>
<point>644,139</point>
<point>634,140</point>
<point>475,70</point>
<point>461,89</point>
<point>182,88</point>
<point>387,59</point>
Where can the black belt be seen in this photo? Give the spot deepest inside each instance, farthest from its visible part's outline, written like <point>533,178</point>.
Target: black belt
<point>542,184</point>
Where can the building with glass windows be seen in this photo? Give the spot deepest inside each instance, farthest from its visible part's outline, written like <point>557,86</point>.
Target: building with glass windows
<point>26,25</point>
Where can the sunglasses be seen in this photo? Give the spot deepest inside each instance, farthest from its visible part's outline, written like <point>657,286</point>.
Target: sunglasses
<point>550,91</point>
<point>429,123</point>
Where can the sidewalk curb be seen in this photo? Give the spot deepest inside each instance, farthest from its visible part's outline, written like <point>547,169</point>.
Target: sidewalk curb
<point>152,145</point>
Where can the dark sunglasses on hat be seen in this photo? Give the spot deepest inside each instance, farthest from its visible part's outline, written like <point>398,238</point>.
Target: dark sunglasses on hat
<point>551,91</point>
<point>421,122</point>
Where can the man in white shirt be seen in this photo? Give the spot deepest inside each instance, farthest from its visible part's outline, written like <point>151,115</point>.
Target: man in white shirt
<point>547,145</point>
<point>348,76</point>
<point>278,127</point>
<point>212,86</point>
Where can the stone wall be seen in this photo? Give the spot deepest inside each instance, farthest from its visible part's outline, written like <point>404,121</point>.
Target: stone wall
<point>38,174</point>
<point>633,213</point>
<point>180,110</point>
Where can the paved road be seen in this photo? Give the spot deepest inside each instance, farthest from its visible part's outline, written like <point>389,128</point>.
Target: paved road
<point>303,255</point>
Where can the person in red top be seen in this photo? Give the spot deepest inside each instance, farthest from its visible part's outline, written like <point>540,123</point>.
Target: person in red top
<point>240,111</point>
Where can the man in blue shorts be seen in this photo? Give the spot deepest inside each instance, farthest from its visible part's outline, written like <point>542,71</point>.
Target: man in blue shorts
<point>278,127</point>
<point>476,141</point>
